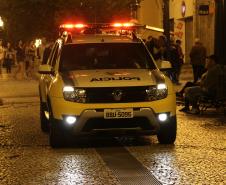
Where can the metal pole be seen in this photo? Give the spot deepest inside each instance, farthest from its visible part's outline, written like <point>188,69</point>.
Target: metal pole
<point>134,5</point>
<point>166,25</point>
<point>224,31</point>
<point>219,30</point>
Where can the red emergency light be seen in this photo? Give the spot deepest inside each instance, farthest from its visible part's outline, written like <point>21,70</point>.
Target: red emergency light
<point>73,26</point>
<point>124,28</point>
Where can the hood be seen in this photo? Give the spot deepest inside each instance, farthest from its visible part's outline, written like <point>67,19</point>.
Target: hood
<point>113,78</point>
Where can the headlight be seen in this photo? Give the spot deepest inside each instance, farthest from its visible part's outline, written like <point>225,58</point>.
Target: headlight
<point>157,92</point>
<point>161,86</point>
<point>73,94</point>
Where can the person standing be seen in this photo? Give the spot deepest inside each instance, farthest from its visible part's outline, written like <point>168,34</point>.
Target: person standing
<point>198,57</point>
<point>20,55</point>
<point>181,57</point>
<point>9,57</point>
<point>47,52</point>
<point>2,51</point>
<point>40,50</point>
<point>150,44</point>
<point>180,51</point>
<point>175,62</point>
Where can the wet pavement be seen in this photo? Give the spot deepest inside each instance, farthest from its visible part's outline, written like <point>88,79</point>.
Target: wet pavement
<point>198,156</point>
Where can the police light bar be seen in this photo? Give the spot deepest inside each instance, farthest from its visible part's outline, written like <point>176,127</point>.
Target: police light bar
<point>119,25</point>
<point>93,28</point>
<point>73,26</point>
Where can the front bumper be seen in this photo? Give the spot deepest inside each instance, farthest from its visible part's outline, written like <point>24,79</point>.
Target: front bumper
<point>145,122</point>
<point>62,107</point>
<point>140,113</point>
<point>90,117</point>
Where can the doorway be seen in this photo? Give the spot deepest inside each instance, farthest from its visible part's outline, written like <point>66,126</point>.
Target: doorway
<point>188,37</point>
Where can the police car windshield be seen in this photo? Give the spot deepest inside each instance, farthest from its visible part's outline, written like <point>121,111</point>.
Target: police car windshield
<point>105,56</point>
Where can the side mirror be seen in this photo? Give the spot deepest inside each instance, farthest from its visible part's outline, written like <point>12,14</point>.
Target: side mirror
<point>164,65</point>
<point>45,69</point>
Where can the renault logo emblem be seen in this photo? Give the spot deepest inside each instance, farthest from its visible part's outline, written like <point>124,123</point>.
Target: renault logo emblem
<point>117,94</point>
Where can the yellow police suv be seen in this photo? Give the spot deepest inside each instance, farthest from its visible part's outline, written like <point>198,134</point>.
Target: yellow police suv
<point>104,83</point>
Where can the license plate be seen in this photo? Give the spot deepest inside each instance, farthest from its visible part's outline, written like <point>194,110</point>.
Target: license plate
<point>118,113</point>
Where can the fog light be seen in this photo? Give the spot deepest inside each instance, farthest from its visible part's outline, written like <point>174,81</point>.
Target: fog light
<point>162,117</point>
<point>70,120</point>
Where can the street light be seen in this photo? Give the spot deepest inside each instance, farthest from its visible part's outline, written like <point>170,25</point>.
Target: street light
<point>1,23</point>
<point>1,28</point>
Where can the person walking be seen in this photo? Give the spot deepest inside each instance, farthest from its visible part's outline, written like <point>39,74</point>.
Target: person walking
<point>197,58</point>
<point>9,57</point>
<point>20,55</point>
<point>2,51</point>
<point>30,55</point>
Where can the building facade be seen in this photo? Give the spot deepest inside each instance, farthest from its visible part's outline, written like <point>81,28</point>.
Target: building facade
<point>150,13</point>
<point>193,19</point>
<point>189,19</point>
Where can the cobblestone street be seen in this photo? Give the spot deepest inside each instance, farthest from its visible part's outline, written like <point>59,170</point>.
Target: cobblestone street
<point>198,156</point>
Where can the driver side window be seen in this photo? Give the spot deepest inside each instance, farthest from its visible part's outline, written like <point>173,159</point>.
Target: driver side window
<point>55,56</point>
<point>51,55</point>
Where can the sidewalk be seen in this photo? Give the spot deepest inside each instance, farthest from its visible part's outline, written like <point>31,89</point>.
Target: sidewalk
<point>11,88</point>
<point>186,73</point>
<point>6,77</point>
<point>185,76</point>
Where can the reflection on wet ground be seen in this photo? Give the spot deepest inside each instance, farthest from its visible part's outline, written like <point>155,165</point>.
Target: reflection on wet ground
<point>27,158</point>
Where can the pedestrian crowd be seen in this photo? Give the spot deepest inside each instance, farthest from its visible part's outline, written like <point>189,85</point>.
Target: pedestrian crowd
<point>206,70</point>
<point>23,56</point>
<point>158,49</point>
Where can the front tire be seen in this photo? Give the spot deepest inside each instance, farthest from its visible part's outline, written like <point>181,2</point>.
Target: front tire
<point>56,140</point>
<point>44,121</point>
<point>168,131</point>
<point>59,135</point>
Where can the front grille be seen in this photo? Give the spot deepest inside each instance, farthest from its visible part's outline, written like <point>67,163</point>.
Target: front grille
<point>116,95</point>
<point>100,123</point>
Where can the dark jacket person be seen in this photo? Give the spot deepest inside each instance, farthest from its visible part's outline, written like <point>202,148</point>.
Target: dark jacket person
<point>208,85</point>
<point>197,59</point>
